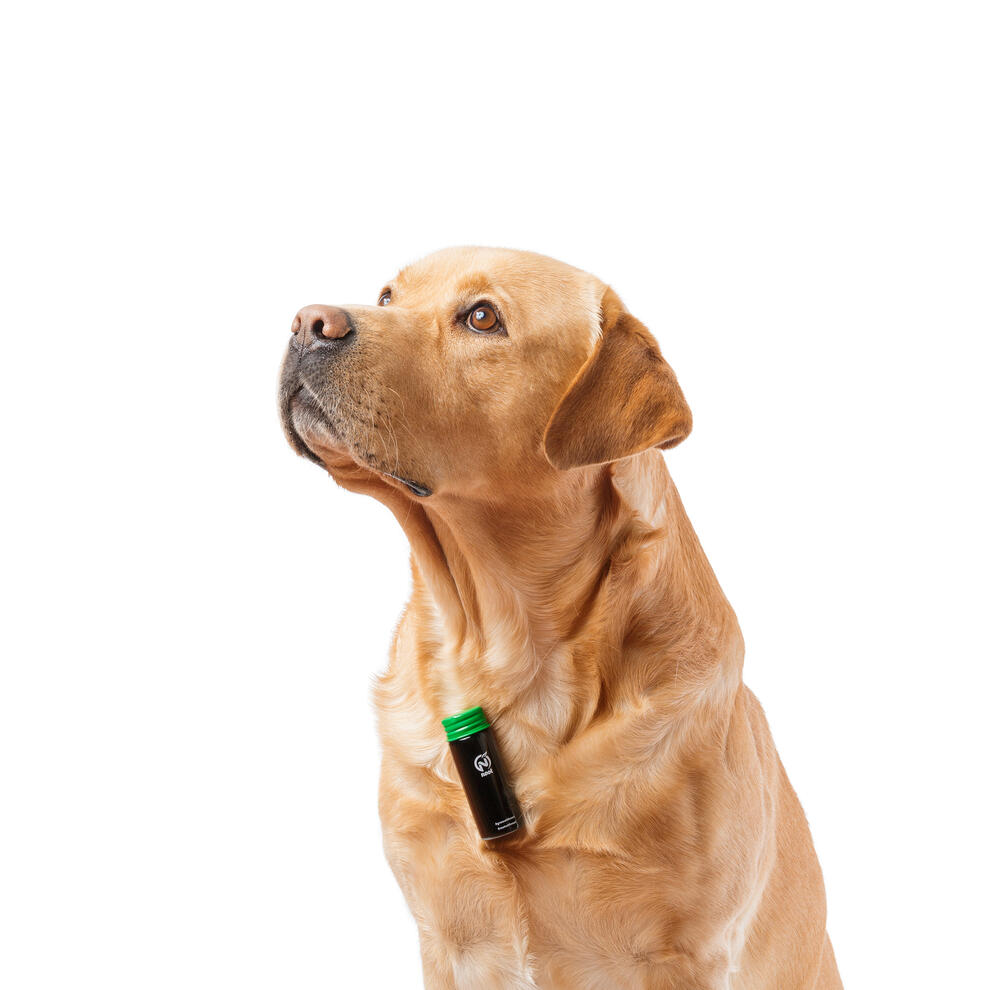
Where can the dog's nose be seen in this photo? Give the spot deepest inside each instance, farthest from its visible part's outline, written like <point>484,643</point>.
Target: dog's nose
<point>318,325</point>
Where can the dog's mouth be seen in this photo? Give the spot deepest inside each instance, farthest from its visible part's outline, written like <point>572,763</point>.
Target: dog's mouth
<point>303,416</point>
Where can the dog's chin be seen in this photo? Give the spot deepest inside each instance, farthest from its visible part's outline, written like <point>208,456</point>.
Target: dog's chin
<point>312,435</point>
<point>309,431</point>
<point>297,419</point>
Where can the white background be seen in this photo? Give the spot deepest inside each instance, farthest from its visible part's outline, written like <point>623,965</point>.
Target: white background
<point>793,197</point>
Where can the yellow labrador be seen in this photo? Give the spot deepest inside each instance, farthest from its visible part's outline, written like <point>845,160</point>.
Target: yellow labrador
<point>511,413</point>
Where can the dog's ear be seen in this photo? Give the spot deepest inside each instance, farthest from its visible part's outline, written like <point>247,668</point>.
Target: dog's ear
<point>625,398</point>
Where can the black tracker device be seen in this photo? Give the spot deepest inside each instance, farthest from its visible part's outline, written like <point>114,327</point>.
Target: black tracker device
<point>489,794</point>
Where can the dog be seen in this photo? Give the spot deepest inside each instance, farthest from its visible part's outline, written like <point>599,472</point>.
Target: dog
<point>511,413</point>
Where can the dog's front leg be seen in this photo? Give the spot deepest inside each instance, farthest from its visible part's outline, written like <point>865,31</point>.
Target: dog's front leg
<point>438,972</point>
<point>480,967</point>
<point>466,906</point>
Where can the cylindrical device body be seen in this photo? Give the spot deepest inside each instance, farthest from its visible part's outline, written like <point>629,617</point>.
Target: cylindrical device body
<point>489,794</point>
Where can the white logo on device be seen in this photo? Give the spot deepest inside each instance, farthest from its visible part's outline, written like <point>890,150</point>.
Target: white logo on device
<point>483,764</point>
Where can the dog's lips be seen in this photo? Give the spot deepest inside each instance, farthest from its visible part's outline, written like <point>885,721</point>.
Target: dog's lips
<point>414,486</point>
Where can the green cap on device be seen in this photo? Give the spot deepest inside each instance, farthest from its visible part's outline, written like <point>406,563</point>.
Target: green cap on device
<point>465,724</point>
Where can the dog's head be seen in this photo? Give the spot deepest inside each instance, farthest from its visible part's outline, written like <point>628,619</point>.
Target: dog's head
<point>481,371</point>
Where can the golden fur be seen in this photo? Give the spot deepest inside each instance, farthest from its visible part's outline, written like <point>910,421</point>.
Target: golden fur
<point>558,583</point>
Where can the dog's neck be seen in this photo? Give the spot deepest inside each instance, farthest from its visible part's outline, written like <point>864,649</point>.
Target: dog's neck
<point>549,611</point>
<point>524,567</point>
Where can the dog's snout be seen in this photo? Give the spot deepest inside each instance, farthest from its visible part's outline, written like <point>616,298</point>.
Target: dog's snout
<point>316,326</point>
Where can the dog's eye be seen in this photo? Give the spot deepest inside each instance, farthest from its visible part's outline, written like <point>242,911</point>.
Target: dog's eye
<point>385,298</point>
<point>483,319</point>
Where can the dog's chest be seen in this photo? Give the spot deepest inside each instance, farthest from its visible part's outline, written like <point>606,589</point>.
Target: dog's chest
<point>494,915</point>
